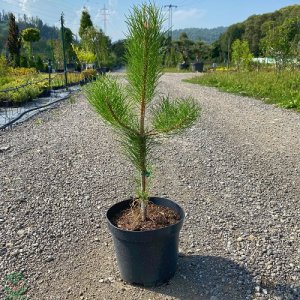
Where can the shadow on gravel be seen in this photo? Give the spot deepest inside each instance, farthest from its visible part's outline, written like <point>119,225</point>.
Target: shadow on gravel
<point>282,291</point>
<point>209,278</point>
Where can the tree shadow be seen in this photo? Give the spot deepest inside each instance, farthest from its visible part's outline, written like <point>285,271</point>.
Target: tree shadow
<point>209,278</point>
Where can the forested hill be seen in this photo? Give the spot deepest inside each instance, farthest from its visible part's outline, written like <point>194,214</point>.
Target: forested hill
<point>47,32</point>
<point>204,34</point>
<point>259,30</point>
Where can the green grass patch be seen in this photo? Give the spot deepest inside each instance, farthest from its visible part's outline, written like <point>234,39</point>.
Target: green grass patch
<point>282,89</point>
<point>176,70</point>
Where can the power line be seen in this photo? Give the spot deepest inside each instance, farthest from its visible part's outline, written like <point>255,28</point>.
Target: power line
<point>170,7</point>
<point>104,13</point>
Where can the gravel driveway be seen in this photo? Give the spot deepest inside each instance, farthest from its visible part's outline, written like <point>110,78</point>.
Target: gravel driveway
<point>236,173</point>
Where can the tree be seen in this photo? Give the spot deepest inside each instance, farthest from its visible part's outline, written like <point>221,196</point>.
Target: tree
<point>200,51</point>
<point>183,45</point>
<point>57,54</point>
<point>97,42</point>
<point>241,55</point>
<point>3,66</point>
<point>233,32</point>
<point>30,35</point>
<point>118,49</point>
<point>69,40</point>
<point>125,110</point>
<point>85,22</point>
<point>281,41</point>
<point>39,64</point>
<point>84,56</point>
<point>13,41</point>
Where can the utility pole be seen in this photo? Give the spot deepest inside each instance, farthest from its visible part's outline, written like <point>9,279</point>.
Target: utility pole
<point>104,14</point>
<point>170,7</point>
<point>64,49</point>
<point>228,52</point>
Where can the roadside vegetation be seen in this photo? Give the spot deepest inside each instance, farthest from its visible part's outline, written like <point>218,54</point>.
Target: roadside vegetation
<point>22,84</point>
<point>282,89</point>
<point>275,76</point>
<point>259,57</point>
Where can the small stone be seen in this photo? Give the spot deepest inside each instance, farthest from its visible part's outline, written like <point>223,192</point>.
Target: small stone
<point>257,288</point>
<point>240,239</point>
<point>15,252</point>
<point>49,258</point>
<point>4,148</point>
<point>21,232</point>
<point>265,292</point>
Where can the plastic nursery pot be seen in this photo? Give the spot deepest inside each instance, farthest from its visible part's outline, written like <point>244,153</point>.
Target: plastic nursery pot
<point>147,258</point>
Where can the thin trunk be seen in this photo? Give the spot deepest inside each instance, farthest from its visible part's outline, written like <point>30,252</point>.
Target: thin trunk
<point>143,169</point>
<point>142,131</point>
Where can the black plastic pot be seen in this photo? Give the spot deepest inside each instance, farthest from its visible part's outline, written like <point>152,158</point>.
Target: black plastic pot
<point>148,258</point>
<point>197,67</point>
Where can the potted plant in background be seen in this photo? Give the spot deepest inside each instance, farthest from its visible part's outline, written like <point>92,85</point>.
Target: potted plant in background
<point>145,229</point>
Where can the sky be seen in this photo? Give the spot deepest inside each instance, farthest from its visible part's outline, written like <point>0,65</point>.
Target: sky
<point>186,14</point>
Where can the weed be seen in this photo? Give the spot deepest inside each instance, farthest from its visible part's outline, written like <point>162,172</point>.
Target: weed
<point>39,121</point>
<point>15,286</point>
<point>72,100</point>
<point>282,89</point>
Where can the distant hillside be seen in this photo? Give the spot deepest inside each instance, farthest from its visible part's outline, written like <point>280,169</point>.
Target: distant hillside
<point>256,28</point>
<point>47,32</point>
<point>207,35</point>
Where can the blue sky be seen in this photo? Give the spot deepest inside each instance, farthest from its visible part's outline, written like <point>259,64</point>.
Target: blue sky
<point>190,13</point>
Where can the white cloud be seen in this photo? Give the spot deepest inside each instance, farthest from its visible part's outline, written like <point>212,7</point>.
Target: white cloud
<point>25,5</point>
<point>187,15</point>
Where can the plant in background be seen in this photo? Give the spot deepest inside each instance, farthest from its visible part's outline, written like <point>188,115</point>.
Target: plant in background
<point>241,55</point>
<point>15,286</point>
<point>126,109</point>
<point>13,40</point>
<point>31,35</point>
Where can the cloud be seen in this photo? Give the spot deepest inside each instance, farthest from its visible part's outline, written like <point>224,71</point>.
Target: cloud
<point>183,15</point>
<point>25,5</point>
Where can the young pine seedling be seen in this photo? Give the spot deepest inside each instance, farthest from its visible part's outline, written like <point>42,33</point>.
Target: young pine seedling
<point>125,108</point>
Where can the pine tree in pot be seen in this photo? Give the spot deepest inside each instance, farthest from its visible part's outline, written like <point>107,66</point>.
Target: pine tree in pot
<point>146,229</point>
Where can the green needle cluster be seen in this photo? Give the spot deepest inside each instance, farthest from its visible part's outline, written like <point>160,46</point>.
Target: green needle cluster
<point>125,108</point>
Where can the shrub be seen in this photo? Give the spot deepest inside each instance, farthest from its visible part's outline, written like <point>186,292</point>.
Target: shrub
<point>89,73</point>
<point>282,88</point>
<point>3,66</point>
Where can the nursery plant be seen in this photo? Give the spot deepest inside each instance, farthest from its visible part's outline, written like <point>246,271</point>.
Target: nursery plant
<point>126,109</point>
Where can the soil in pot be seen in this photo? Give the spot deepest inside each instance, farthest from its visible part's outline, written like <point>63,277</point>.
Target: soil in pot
<point>157,217</point>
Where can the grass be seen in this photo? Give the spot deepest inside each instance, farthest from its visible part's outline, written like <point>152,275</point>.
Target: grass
<point>282,89</point>
<point>15,286</point>
<point>175,70</point>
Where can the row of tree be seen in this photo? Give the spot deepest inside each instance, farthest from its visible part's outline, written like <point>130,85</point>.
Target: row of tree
<point>31,47</point>
<point>275,35</point>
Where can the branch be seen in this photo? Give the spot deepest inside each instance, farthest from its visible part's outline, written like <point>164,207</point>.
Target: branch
<point>117,119</point>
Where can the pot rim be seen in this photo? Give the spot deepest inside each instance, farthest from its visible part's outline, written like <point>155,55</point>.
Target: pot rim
<point>181,213</point>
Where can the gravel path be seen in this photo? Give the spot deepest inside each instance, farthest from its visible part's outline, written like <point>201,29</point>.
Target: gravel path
<point>236,173</point>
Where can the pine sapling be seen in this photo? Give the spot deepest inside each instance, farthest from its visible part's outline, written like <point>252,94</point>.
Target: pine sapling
<point>125,109</point>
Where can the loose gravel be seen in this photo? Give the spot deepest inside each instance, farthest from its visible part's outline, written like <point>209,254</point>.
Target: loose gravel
<point>236,173</point>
